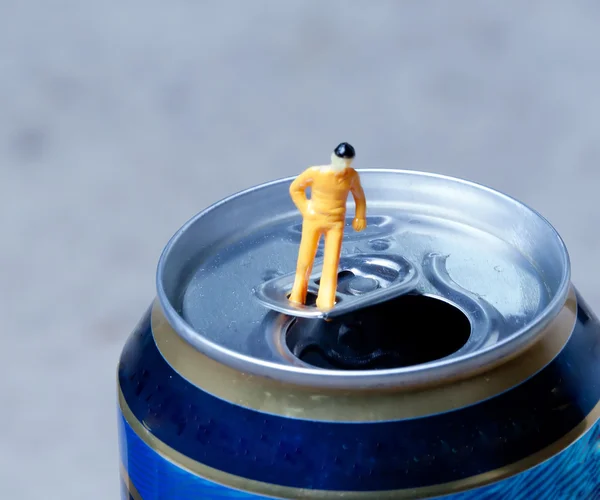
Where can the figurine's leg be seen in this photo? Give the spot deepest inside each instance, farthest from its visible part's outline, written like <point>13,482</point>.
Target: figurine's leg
<point>311,234</point>
<point>331,260</point>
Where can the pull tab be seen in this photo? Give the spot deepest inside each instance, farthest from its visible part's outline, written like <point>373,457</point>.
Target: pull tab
<point>363,280</point>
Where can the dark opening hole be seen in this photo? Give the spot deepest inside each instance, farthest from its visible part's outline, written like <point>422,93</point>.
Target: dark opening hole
<point>406,331</point>
<point>342,275</point>
<point>311,299</point>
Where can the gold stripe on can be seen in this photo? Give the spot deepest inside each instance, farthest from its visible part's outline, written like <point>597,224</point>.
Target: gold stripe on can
<point>279,398</point>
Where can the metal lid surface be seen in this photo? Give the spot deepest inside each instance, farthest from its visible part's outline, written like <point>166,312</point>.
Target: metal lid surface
<point>501,263</point>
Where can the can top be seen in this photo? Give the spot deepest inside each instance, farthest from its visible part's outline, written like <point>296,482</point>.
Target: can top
<point>493,258</point>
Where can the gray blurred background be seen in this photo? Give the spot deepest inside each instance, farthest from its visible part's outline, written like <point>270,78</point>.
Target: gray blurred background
<point>119,120</point>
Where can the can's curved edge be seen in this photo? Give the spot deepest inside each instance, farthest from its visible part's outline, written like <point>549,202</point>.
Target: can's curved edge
<point>314,403</point>
<point>130,489</point>
<point>277,491</point>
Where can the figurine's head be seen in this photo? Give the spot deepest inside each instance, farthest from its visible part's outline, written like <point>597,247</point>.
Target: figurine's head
<point>343,156</point>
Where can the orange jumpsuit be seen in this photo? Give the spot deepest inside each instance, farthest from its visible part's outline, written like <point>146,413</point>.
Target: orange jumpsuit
<point>324,214</point>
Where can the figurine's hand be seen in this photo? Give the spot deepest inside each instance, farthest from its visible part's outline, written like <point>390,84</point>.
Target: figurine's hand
<point>359,224</point>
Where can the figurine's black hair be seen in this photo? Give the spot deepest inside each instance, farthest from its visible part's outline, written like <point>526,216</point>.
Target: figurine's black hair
<point>344,150</point>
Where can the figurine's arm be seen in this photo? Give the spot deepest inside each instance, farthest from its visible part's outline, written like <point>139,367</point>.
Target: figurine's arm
<point>298,189</point>
<point>359,198</point>
<point>360,219</point>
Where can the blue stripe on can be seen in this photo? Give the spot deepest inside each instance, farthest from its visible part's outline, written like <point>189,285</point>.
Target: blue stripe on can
<point>574,473</point>
<point>571,474</point>
<point>156,478</point>
<point>371,456</point>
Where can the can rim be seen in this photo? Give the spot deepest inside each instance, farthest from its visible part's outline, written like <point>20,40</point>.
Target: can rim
<point>409,376</point>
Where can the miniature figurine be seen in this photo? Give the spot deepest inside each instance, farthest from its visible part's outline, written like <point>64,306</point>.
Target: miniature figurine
<point>324,214</point>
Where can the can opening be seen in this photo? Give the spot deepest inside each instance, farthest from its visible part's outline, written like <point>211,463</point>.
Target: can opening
<point>406,331</point>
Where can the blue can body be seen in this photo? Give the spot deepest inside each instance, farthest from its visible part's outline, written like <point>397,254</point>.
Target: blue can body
<point>539,439</point>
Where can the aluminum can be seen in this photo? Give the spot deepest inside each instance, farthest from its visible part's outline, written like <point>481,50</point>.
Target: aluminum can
<point>479,380</point>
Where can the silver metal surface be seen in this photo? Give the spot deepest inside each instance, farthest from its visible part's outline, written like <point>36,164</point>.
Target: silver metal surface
<point>497,260</point>
<point>364,280</point>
